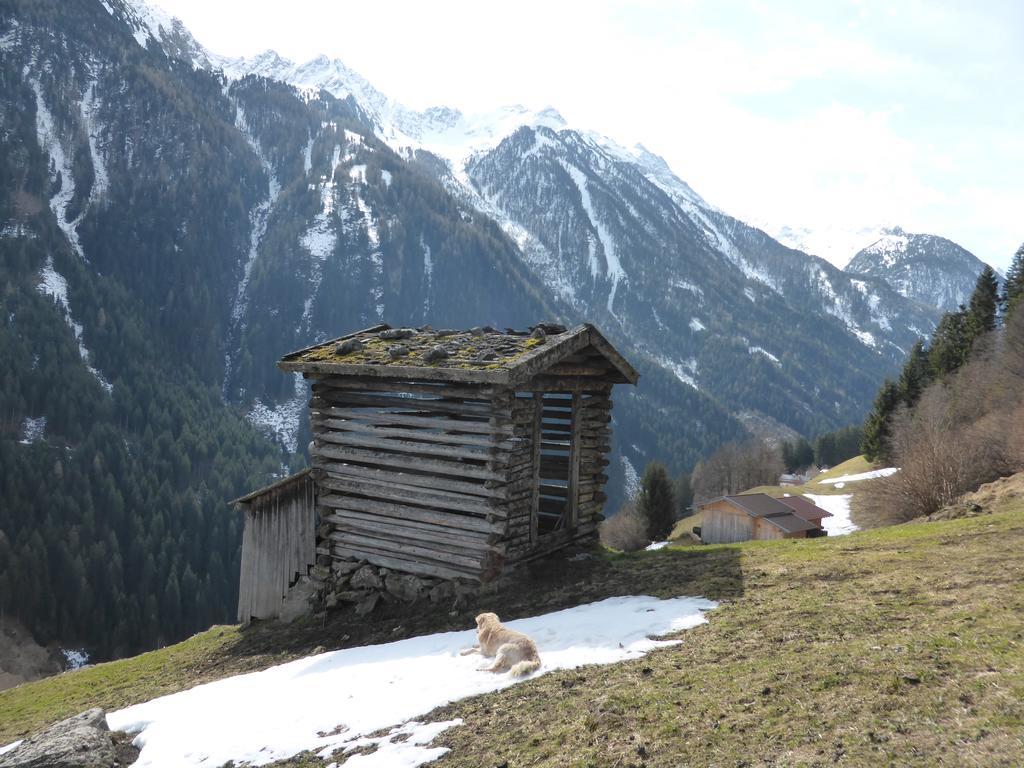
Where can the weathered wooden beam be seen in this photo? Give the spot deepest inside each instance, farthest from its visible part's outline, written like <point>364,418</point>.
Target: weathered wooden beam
<point>406,495</point>
<point>372,457</point>
<point>450,424</point>
<point>349,399</point>
<point>402,511</point>
<point>339,516</point>
<point>374,442</point>
<point>390,560</point>
<point>441,389</point>
<point>351,530</point>
<point>411,479</point>
<point>483,441</point>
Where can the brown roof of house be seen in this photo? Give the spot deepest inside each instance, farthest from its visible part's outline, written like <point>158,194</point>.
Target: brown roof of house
<point>484,355</point>
<point>790,523</point>
<point>805,508</point>
<point>758,504</point>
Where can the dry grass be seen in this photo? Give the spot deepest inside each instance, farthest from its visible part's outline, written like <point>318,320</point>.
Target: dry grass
<point>902,646</point>
<point>898,646</point>
<point>681,530</point>
<point>854,466</point>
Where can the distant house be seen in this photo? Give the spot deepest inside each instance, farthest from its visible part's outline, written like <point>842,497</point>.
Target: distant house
<point>759,516</point>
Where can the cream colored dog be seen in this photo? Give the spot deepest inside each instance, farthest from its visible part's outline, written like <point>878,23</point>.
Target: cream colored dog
<point>513,651</point>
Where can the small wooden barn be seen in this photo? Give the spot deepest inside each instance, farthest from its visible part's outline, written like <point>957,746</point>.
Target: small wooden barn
<point>451,455</point>
<point>757,516</point>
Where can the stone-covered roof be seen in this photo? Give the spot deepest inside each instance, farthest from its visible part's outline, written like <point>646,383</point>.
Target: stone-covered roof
<point>482,354</point>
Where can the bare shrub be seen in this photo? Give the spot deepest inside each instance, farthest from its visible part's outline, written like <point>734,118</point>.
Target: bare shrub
<point>736,467</point>
<point>940,456</point>
<point>626,530</point>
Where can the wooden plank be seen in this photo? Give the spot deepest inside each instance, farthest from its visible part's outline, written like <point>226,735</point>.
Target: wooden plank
<point>377,529</point>
<point>345,425</point>
<point>403,511</point>
<point>374,442</point>
<point>349,399</point>
<point>573,511</point>
<point>368,385</point>
<point>389,560</point>
<point>449,424</point>
<point>338,516</point>
<point>365,456</point>
<point>570,369</point>
<point>489,489</point>
<point>411,547</point>
<point>538,423</point>
<point>392,492</point>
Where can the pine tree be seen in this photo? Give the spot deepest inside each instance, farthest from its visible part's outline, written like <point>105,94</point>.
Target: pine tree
<point>950,343</point>
<point>916,374</point>
<point>875,441</point>
<point>984,306</point>
<point>656,501</point>
<point>1013,289</point>
<point>683,490</point>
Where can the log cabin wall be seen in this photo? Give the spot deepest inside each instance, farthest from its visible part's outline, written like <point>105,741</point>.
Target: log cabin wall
<point>416,476</point>
<point>278,544</point>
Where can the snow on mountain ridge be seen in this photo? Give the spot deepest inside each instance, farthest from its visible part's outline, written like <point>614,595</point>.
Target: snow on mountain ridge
<point>836,244</point>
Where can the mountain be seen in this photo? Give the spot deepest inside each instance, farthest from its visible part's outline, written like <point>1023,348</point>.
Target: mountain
<point>836,244</point>
<point>926,268</point>
<point>619,238</point>
<point>175,221</point>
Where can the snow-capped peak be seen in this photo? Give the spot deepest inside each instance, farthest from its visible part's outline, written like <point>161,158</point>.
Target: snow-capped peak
<point>148,22</point>
<point>890,247</point>
<point>836,244</point>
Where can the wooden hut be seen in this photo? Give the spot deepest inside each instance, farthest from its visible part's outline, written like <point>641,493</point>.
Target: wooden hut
<point>451,455</point>
<point>755,516</point>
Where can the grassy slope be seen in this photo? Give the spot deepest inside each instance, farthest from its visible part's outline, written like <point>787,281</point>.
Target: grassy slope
<point>901,645</point>
<point>853,466</point>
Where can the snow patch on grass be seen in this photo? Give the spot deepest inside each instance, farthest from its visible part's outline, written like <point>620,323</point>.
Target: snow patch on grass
<point>860,476</point>
<point>331,701</point>
<point>840,522</point>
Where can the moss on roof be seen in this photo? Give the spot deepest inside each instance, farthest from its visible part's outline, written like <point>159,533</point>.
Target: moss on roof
<point>478,349</point>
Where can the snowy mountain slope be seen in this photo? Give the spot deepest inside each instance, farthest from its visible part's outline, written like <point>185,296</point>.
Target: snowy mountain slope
<point>925,268</point>
<point>835,244</point>
<point>615,234</point>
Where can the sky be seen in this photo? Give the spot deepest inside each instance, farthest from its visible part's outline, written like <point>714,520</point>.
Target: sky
<point>811,114</point>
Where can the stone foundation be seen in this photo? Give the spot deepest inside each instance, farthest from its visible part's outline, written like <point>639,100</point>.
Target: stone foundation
<point>340,583</point>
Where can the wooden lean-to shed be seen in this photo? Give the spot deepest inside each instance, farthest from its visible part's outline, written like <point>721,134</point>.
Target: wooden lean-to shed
<point>448,455</point>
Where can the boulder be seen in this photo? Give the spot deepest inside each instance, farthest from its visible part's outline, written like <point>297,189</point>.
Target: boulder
<point>366,578</point>
<point>368,604</point>
<point>344,567</point>
<point>297,602</point>
<point>404,586</point>
<point>442,592</point>
<point>348,346</point>
<point>82,741</point>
